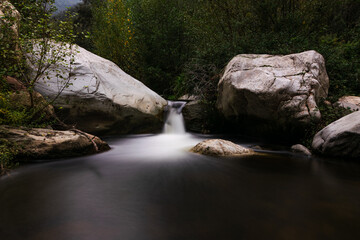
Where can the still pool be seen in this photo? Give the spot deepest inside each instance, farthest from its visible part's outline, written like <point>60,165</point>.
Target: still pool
<point>149,187</point>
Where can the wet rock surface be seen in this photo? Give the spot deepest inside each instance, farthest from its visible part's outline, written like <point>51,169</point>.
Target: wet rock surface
<point>39,143</point>
<point>220,147</point>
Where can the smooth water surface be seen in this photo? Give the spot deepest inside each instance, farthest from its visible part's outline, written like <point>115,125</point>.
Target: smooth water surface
<point>148,187</point>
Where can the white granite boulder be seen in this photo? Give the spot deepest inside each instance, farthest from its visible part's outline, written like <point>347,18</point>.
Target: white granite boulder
<point>282,89</point>
<point>99,97</point>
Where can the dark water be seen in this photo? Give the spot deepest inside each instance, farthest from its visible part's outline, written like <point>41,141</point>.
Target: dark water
<point>148,188</point>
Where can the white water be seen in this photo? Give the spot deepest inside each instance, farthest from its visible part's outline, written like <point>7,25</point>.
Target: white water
<point>174,141</point>
<point>174,122</point>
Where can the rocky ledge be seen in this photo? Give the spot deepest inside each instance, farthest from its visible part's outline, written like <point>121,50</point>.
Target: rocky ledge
<point>39,143</point>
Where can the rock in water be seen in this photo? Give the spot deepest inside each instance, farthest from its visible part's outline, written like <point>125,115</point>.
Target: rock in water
<point>282,89</point>
<point>220,147</point>
<point>100,97</point>
<point>298,148</point>
<point>341,138</point>
<point>38,143</point>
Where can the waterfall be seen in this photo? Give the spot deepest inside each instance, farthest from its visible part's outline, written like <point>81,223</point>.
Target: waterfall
<point>174,121</point>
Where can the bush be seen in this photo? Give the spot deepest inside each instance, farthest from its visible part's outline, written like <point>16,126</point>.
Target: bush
<point>329,114</point>
<point>7,156</point>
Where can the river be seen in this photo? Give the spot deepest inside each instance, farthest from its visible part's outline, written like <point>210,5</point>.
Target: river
<point>149,187</point>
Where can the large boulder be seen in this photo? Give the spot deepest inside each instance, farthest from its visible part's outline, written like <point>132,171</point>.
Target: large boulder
<point>220,147</point>
<point>38,143</point>
<point>280,89</point>
<point>341,138</point>
<point>99,97</point>
<point>9,23</point>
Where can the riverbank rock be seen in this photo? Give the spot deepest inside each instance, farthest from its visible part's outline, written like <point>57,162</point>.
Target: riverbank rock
<point>298,148</point>
<point>220,147</point>
<point>349,102</point>
<point>341,138</point>
<point>10,18</point>
<point>280,89</point>
<point>99,97</point>
<point>195,116</point>
<point>38,143</point>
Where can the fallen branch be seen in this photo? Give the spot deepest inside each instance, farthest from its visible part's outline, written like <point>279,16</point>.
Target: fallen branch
<point>87,136</point>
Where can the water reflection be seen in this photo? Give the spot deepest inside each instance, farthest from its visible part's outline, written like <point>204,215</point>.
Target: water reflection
<point>149,187</point>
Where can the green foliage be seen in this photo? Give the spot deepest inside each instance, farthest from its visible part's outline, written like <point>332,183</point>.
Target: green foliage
<point>113,33</point>
<point>10,115</point>
<point>329,114</point>
<point>7,156</point>
<point>41,44</point>
<point>174,42</point>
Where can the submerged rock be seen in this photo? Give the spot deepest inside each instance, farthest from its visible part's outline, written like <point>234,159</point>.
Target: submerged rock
<point>38,143</point>
<point>99,97</point>
<point>282,89</point>
<point>220,147</point>
<point>298,148</point>
<point>341,138</point>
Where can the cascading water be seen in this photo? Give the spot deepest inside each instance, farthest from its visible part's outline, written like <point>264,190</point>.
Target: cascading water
<point>174,121</point>
<point>173,141</point>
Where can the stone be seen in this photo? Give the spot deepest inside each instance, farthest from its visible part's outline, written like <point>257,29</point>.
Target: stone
<point>220,147</point>
<point>195,116</point>
<point>98,97</point>
<point>188,97</point>
<point>298,148</point>
<point>38,143</point>
<point>327,103</point>
<point>281,89</point>
<point>349,102</point>
<point>14,84</point>
<point>8,11</point>
<point>340,138</point>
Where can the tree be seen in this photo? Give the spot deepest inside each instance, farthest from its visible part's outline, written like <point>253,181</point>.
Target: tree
<point>43,43</point>
<point>113,33</point>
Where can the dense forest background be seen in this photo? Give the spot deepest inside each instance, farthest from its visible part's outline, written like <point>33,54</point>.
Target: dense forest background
<point>182,46</point>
